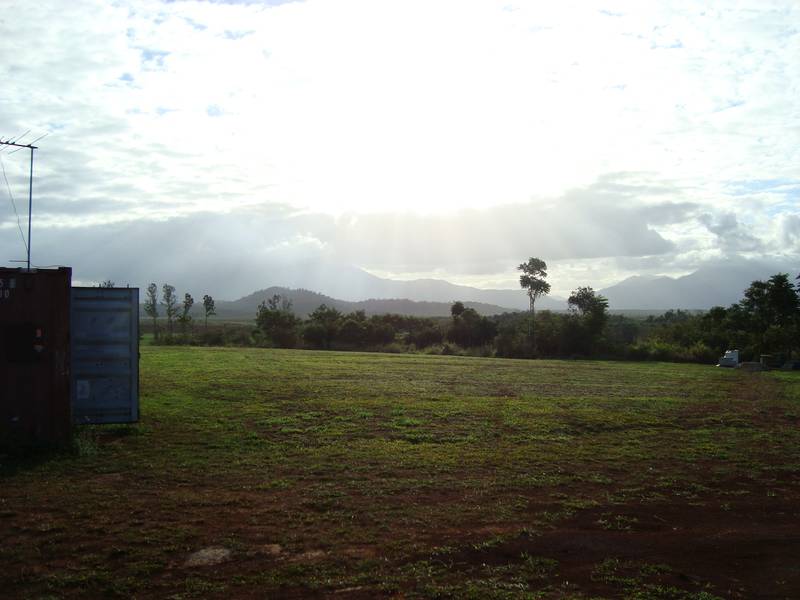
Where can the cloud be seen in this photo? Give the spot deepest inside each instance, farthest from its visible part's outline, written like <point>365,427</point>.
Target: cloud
<point>732,236</point>
<point>790,232</point>
<point>246,244</point>
<point>408,137</point>
<point>322,101</point>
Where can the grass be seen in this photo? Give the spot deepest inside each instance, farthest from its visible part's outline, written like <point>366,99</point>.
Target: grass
<point>426,476</point>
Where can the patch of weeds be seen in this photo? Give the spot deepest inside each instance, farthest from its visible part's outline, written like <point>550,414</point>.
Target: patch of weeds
<point>595,478</point>
<point>538,567</point>
<point>121,587</point>
<point>405,422</point>
<point>274,484</point>
<point>146,568</point>
<point>442,551</point>
<point>85,442</point>
<point>488,544</point>
<point>542,479</point>
<point>418,438</point>
<point>119,430</point>
<point>579,503</point>
<point>608,572</point>
<point>480,589</point>
<point>613,522</point>
<point>662,592</point>
<point>651,570</point>
<point>552,517</point>
<point>421,569</point>
<point>195,587</point>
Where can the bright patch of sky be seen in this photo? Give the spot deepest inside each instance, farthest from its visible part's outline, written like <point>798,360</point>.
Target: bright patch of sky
<point>412,138</point>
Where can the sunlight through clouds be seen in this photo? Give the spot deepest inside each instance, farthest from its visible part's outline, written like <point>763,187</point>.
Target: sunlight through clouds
<point>550,120</point>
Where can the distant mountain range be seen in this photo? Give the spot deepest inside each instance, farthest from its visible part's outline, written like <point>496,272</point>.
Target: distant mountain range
<point>345,287</point>
<point>304,302</point>
<point>720,285</point>
<point>352,284</point>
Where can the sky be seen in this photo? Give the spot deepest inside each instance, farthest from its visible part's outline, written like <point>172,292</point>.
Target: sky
<point>207,143</point>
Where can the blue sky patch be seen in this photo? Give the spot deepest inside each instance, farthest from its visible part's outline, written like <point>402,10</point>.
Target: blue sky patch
<point>195,25</point>
<point>754,186</point>
<point>237,35</point>
<point>155,57</point>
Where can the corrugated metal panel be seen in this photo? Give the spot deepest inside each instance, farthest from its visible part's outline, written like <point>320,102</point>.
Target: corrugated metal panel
<point>105,355</point>
<point>34,356</point>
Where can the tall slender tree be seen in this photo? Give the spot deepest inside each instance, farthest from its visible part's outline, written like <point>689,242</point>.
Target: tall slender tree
<point>534,273</point>
<point>185,319</point>
<point>208,307</point>
<point>151,306</point>
<point>170,302</point>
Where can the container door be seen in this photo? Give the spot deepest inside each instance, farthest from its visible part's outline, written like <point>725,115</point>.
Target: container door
<point>104,376</point>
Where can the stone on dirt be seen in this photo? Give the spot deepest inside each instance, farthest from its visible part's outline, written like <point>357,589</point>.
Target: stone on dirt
<point>310,555</point>
<point>272,549</point>
<point>208,556</point>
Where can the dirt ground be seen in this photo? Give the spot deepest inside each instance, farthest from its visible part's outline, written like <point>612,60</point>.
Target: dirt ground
<point>626,515</point>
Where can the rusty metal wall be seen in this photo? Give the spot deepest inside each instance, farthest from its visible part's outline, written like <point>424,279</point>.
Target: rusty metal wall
<point>34,356</point>
<point>105,355</point>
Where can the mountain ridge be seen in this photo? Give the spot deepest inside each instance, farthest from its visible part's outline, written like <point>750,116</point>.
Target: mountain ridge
<point>306,301</point>
<point>717,285</point>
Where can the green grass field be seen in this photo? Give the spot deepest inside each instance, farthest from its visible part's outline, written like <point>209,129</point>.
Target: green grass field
<point>352,475</point>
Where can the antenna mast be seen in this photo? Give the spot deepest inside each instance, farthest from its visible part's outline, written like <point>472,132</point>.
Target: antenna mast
<point>31,147</point>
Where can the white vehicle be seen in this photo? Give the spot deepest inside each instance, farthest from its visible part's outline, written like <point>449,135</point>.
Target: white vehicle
<point>731,359</point>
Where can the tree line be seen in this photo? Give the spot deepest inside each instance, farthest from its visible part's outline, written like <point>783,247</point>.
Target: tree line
<point>175,312</point>
<point>765,321</point>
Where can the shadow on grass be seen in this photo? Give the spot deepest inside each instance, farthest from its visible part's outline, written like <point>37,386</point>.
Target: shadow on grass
<point>16,459</point>
<point>86,440</point>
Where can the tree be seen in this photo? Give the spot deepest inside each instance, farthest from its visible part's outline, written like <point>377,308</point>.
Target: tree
<point>185,318</point>
<point>208,307</point>
<point>470,329</point>
<point>593,313</point>
<point>457,309</point>
<point>151,306</point>
<point>426,336</point>
<point>773,311</point>
<point>352,332</point>
<point>534,273</point>
<point>380,331</point>
<point>170,302</point>
<point>277,321</point>
<point>323,326</point>
<point>107,284</point>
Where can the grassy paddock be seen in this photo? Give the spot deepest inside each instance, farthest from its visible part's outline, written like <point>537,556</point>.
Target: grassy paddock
<point>375,475</point>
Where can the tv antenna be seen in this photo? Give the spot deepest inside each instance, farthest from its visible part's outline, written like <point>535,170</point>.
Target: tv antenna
<point>31,147</point>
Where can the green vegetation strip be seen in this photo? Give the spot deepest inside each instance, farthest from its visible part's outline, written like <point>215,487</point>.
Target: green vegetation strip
<point>378,474</point>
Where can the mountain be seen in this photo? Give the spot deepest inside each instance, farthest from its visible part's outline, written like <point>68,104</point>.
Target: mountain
<point>436,290</point>
<point>305,301</point>
<point>352,284</point>
<point>717,285</point>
